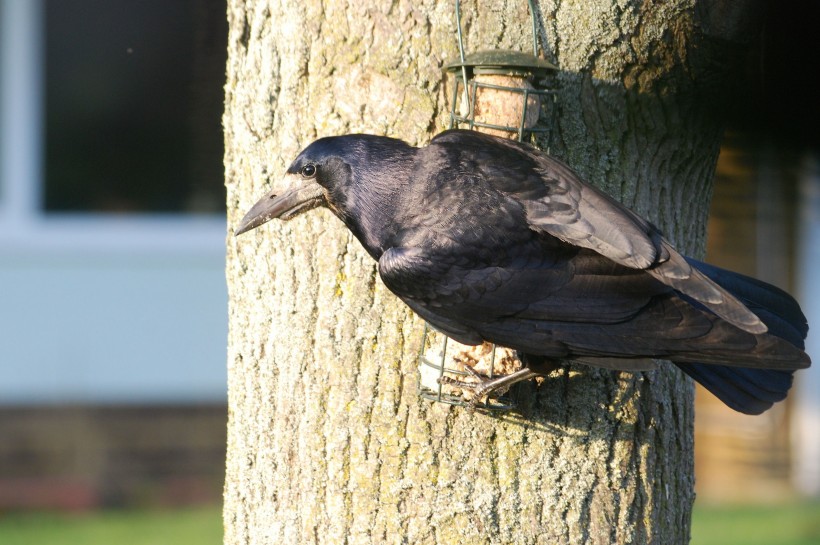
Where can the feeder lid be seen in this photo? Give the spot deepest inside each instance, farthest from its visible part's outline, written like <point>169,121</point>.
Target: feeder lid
<point>503,61</point>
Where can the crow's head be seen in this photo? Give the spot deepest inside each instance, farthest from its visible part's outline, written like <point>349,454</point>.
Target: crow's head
<point>304,186</point>
<point>333,172</point>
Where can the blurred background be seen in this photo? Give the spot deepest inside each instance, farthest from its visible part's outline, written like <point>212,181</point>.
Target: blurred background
<point>113,307</point>
<point>113,313</point>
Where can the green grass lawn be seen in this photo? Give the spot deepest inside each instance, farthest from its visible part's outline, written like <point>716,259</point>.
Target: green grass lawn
<point>791,524</point>
<point>200,526</point>
<point>797,524</point>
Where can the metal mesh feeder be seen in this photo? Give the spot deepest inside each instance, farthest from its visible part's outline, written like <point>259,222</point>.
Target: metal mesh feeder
<point>502,92</point>
<point>446,367</point>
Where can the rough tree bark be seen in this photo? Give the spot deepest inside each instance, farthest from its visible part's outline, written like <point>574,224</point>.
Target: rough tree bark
<point>328,439</point>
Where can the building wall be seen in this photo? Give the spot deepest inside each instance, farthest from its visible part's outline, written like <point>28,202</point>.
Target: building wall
<point>111,328</point>
<point>113,306</point>
<point>111,250</point>
<point>81,457</point>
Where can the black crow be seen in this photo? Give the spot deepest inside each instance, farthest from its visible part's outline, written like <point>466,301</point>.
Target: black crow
<point>492,240</point>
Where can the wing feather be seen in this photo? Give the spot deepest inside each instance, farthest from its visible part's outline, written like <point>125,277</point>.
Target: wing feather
<point>558,202</point>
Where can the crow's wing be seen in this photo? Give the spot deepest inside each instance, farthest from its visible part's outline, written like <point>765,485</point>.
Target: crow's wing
<point>471,300</point>
<point>556,201</point>
<point>582,288</point>
<point>585,307</point>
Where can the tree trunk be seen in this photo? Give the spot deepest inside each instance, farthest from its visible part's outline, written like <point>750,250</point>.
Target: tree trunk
<point>328,439</point>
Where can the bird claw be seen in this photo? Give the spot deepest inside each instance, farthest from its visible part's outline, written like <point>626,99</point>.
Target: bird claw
<point>487,387</point>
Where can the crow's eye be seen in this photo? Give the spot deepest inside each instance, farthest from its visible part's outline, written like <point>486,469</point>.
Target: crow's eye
<point>308,171</point>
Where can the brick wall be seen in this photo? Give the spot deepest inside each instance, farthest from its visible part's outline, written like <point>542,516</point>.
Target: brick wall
<point>84,457</point>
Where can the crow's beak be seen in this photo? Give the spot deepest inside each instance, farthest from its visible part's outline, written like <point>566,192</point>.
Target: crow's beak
<point>289,198</point>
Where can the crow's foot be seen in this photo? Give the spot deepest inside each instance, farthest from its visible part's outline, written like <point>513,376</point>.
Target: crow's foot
<point>487,387</point>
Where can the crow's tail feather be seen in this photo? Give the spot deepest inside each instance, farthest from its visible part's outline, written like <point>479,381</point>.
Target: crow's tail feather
<point>750,391</point>
<point>776,308</point>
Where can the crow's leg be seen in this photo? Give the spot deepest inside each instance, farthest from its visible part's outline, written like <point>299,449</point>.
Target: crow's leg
<point>540,365</point>
<point>486,387</point>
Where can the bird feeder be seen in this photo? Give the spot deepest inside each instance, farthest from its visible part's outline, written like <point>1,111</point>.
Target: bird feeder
<point>502,92</point>
<point>508,94</point>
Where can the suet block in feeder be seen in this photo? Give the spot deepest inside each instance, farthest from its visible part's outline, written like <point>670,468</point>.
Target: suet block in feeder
<point>504,94</point>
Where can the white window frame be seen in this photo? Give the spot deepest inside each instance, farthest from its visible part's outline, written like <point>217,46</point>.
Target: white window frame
<point>25,227</point>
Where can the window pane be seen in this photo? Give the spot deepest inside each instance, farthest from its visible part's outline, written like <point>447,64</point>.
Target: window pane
<point>133,105</point>
<point>2,103</point>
